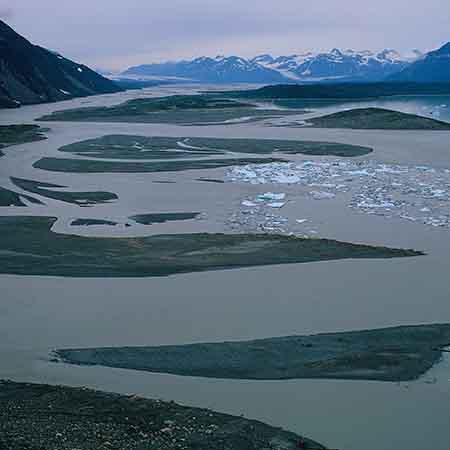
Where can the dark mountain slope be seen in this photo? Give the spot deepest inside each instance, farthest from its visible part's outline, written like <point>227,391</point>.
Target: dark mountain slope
<point>32,74</point>
<point>433,68</point>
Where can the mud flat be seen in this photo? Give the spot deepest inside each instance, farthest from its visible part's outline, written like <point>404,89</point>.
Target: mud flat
<point>176,109</point>
<point>156,147</point>
<point>29,247</point>
<point>377,119</point>
<point>19,134</point>
<point>389,354</point>
<point>34,417</point>
<point>12,198</point>
<point>97,166</point>
<point>152,218</point>
<point>90,222</point>
<point>78,198</point>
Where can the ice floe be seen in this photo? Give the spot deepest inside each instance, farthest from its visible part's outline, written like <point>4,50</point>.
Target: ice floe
<point>415,193</point>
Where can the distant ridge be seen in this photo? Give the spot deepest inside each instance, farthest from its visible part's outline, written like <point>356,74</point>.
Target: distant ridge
<point>220,69</point>
<point>342,91</point>
<point>32,74</point>
<point>336,65</point>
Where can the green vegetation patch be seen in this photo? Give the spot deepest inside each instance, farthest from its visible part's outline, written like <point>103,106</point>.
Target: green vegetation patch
<point>211,180</point>
<point>343,91</point>
<point>150,219</point>
<point>389,354</point>
<point>19,134</point>
<point>11,198</point>
<point>29,247</point>
<point>377,119</point>
<point>36,416</point>
<point>89,222</point>
<point>122,146</point>
<point>177,109</point>
<point>268,146</point>
<point>141,147</point>
<point>97,166</point>
<point>77,198</point>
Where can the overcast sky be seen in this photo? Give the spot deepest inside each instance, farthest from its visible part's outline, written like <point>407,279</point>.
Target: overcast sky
<point>118,33</point>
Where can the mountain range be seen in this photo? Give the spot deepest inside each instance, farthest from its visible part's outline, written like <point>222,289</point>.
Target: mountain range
<point>32,74</point>
<point>336,65</point>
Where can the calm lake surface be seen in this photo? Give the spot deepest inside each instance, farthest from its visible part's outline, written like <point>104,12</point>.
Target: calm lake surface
<point>38,314</point>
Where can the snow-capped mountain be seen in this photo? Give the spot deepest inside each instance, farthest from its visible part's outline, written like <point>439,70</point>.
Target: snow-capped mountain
<point>339,65</point>
<point>220,69</point>
<point>336,65</point>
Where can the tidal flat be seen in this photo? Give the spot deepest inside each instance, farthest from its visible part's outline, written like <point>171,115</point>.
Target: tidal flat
<point>29,247</point>
<point>377,119</point>
<point>12,198</point>
<point>152,218</point>
<point>90,222</point>
<point>36,416</point>
<point>78,198</point>
<point>157,147</point>
<point>97,166</point>
<point>19,134</point>
<point>176,109</point>
<point>390,354</point>
<point>216,306</point>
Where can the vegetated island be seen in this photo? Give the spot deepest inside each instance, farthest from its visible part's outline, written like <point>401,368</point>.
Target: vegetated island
<point>12,198</point>
<point>102,166</point>
<point>341,91</point>
<point>176,109</point>
<point>377,119</point>
<point>34,416</point>
<point>122,146</point>
<point>78,198</point>
<point>152,218</point>
<point>29,247</point>
<point>19,134</point>
<point>81,222</point>
<point>389,354</point>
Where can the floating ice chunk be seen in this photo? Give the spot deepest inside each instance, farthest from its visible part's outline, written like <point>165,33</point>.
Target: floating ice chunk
<point>366,204</point>
<point>300,221</point>
<point>271,196</point>
<point>322,195</point>
<point>286,179</point>
<point>374,187</point>
<point>248,203</point>
<point>324,185</point>
<point>437,192</point>
<point>276,204</point>
<point>361,172</point>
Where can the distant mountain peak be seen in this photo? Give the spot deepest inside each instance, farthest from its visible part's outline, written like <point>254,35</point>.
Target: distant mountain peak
<point>336,64</point>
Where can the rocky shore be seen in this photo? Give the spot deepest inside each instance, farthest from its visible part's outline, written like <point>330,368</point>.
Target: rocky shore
<point>37,417</point>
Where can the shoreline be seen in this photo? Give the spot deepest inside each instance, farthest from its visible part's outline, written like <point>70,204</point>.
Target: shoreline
<point>34,416</point>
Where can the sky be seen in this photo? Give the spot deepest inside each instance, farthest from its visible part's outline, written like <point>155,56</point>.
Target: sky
<point>116,34</point>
